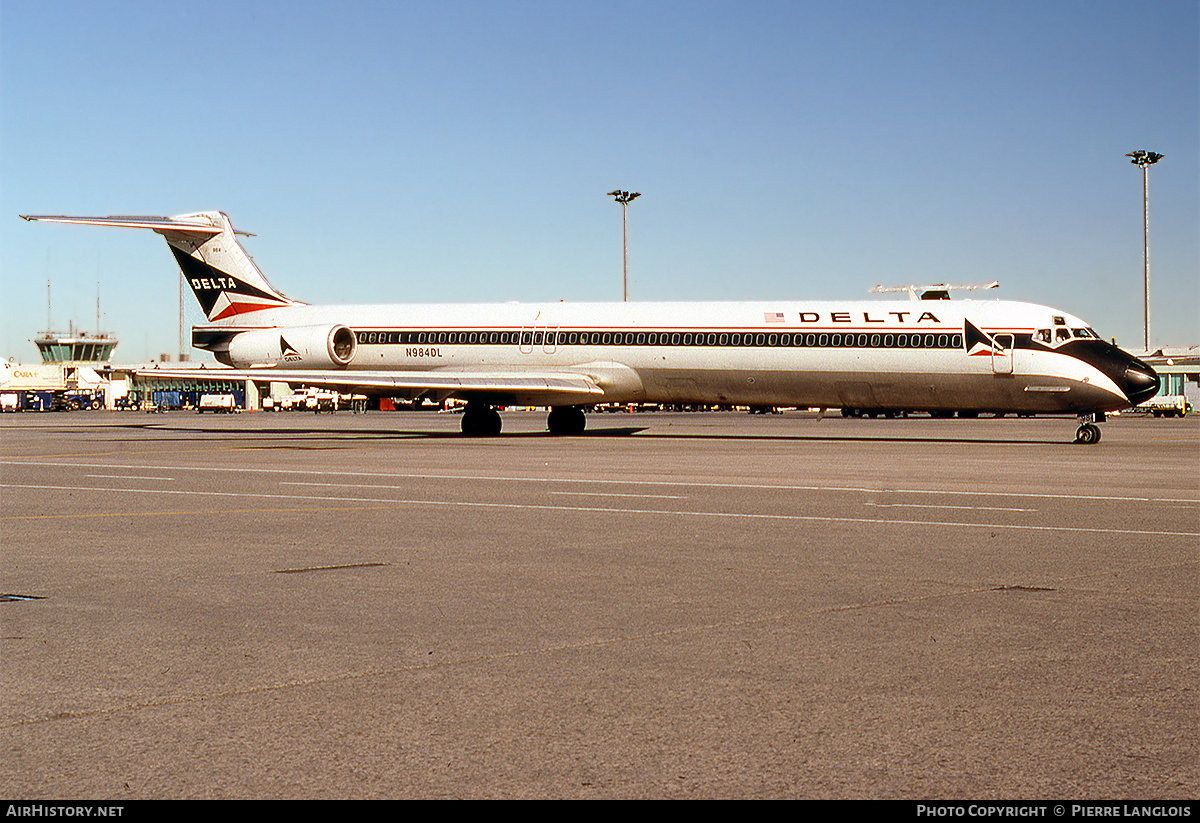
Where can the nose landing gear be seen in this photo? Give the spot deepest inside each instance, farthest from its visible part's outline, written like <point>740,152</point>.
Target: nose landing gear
<point>1089,433</point>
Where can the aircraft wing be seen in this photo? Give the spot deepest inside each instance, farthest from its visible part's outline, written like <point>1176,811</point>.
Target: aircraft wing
<point>460,383</point>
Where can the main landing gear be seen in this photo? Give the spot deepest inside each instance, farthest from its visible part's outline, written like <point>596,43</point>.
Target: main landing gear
<point>480,420</point>
<point>566,420</point>
<point>1089,433</point>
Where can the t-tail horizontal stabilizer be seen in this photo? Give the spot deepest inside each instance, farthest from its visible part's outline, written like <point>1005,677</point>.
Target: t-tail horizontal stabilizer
<point>222,276</point>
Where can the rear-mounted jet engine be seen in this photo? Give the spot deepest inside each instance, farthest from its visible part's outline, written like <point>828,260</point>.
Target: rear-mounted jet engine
<point>318,347</point>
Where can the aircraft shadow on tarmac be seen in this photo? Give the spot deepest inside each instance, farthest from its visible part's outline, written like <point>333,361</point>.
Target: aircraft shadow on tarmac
<point>346,435</point>
<point>359,434</point>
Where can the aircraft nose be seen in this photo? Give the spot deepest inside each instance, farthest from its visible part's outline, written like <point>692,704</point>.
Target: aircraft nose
<point>1140,382</point>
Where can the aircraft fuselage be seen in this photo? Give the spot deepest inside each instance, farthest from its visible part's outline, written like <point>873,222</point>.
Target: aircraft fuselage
<point>903,355</point>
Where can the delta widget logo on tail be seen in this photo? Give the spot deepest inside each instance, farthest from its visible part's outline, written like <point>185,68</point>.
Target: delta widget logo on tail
<point>221,294</point>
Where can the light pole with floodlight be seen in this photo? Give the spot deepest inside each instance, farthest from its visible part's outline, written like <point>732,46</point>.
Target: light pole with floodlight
<point>624,198</point>
<point>1146,159</point>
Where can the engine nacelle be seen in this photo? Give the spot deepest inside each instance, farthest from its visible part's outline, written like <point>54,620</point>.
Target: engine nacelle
<point>297,347</point>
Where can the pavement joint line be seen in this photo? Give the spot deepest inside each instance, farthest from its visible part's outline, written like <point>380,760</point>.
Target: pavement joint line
<point>601,481</point>
<point>599,509</point>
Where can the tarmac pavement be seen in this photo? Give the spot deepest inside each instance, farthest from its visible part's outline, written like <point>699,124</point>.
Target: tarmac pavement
<point>709,605</point>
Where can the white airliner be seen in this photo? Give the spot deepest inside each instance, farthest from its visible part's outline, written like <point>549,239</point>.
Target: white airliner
<point>864,357</point>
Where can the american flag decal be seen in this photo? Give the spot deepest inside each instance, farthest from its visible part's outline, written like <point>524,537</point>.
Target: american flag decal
<point>773,316</point>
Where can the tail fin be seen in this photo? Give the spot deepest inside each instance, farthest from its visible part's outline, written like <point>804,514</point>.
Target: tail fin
<point>222,276</point>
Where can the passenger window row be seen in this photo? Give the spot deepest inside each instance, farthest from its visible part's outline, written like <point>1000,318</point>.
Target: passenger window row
<point>860,340</point>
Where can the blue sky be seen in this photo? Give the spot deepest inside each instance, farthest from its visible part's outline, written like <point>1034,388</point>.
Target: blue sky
<point>460,150</point>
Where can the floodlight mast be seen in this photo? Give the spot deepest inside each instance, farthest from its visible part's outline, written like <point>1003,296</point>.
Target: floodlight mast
<point>1144,160</point>
<point>624,198</point>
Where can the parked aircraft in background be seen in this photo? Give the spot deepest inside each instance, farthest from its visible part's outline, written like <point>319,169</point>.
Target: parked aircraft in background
<point>933,354</point>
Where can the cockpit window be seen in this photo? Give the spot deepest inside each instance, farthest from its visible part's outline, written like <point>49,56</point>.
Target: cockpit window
<point>1043,335</point>
<point>1084,333</point>
<point>1062,334</point>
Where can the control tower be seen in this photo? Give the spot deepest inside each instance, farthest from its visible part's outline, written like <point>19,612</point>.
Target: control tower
<point>76,347</point>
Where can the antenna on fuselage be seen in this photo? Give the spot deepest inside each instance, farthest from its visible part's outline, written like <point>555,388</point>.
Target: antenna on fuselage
<point>938,291</point>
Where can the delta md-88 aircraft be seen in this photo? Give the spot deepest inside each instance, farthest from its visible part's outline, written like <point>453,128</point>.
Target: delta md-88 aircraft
<point>865,357</point>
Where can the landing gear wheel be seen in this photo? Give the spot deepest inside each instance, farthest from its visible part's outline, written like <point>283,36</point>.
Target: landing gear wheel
<point>480,421</point>
<point>1088,434</point>
<point>566,420</point>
